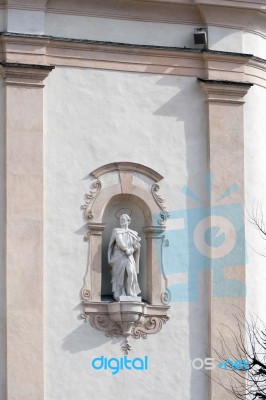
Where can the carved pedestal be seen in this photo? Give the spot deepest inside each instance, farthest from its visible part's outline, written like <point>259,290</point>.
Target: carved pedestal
<point>126,319</point>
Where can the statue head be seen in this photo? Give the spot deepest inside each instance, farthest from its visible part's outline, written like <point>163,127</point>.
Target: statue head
<point>124,220</point>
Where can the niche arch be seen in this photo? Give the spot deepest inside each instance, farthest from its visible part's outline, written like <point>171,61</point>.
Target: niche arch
<point>134,186</point>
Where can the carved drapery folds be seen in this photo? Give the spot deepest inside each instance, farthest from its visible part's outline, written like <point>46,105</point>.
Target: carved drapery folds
<point>137,185</point>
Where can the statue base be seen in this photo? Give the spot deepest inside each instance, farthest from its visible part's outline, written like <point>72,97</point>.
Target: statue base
<point>130,298</point>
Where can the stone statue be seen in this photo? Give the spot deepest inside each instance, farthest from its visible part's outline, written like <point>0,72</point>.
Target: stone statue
<point>123,257</point>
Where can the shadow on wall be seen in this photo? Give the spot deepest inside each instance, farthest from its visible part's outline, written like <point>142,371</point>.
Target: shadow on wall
<point>188,107</point>
<point>85,337</point>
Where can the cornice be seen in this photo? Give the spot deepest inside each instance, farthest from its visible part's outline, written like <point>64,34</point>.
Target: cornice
<point>47,50</point>
<point>150,11</point>
<point>69,5</point>
<point>29,75</point>
<point>215,84</point>
<point>243,4</point>
<point>30,5</point>
<point>249,16</point>
<point>222,91</point>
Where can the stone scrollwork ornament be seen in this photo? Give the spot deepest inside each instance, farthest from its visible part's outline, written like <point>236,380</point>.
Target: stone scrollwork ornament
<point>90,198</point>
<point>103,323</point>
<point>166,296</point>
<point>85,293</point>
<point>157,197</point>
<point>160,202</point>
<point>147,325</point>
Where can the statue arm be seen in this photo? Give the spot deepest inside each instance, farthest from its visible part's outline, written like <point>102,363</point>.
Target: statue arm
<point>136,240</point>
<point>120,242</point>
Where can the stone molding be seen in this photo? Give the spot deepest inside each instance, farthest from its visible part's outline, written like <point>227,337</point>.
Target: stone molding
<point>95,230</point>
<point>198,12</point>
<point>224,91</point>
<point>158,11</point>
<point>126,319</point>
<point>165,11</point>
<point>32,5</point>
<point>24,75</point>
<point>45,51</point>
<point>127,167</point>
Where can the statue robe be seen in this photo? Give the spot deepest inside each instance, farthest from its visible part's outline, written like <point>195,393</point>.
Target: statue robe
<point>122,240</point>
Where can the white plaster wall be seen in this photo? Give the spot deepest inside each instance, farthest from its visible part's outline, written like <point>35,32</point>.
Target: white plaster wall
<point>255,184</point>
<point>95,117</point>
<point>25,21</point>
<point>236,40</point>
<point>2,20</point>
<point>115,30</point>
<point>2,246</point>
<point>225,39</point>
<point>254,44</point>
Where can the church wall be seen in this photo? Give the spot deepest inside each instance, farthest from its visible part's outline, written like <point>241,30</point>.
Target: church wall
<point>115,30</point>
<point>225,39</point>
<point>24,21</point>
<point>255,183</point>
<point>93,117</point>
<point>254,44</point>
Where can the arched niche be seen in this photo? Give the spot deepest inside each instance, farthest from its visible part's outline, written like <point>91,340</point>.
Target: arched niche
<point>134,186</point>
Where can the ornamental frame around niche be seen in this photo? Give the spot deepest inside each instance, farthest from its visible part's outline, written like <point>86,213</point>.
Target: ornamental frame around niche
<point>149,318</point>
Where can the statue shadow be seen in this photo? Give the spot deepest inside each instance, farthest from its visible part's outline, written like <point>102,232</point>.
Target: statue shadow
<point>85,337</point>
<point>82,230</point>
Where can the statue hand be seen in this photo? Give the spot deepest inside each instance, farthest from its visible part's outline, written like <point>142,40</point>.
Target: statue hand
<point>129,252</point>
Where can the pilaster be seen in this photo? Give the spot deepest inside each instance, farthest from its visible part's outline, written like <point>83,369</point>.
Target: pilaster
<point>23,86</point>
<point>225,100</point>
<point>91,289</point>
<point>155,273</point>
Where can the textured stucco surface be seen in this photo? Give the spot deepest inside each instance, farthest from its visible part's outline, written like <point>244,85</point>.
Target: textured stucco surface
<point>225,39</point>
<point>115,30</point>
<point>92,118</point>
<point>255,183</point>
<point>254,44</point>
